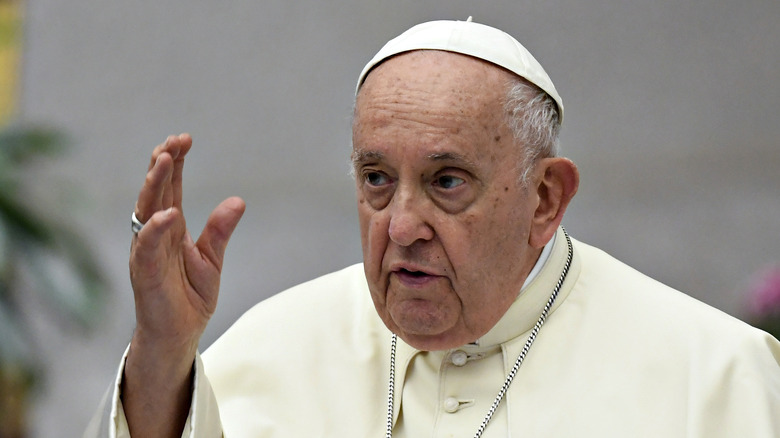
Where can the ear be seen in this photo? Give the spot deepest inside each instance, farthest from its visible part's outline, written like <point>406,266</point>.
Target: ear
<point>555,181</point>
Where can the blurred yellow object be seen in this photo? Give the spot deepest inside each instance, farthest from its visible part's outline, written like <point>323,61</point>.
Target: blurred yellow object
<point>10,51</point>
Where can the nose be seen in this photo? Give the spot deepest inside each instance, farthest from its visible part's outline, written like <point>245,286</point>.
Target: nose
<point>408,222</point>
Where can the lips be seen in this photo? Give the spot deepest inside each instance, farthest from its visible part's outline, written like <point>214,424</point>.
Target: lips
<point>413,276</point>
<point>413,273</point>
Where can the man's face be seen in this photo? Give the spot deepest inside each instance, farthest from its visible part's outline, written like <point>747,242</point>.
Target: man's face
<point>444,222</point>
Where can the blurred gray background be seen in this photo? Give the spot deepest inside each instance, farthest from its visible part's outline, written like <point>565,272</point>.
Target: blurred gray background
<point>671,113</point>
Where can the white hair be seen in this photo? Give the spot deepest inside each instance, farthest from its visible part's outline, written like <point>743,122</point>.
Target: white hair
<point>534,120</point>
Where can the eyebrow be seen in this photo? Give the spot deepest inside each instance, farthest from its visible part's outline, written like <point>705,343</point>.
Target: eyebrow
<point>451,156</point>
<point>360,156</point>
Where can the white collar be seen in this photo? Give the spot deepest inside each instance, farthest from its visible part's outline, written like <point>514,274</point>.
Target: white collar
<point>540,262</point>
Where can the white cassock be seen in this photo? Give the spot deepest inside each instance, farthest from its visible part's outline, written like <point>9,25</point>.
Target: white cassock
<point>621,355</point>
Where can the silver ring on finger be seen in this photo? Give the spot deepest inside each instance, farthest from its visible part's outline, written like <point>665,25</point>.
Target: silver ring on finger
<point>135,224</point>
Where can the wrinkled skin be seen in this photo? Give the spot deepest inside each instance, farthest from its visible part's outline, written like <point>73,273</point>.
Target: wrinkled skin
<point>448,233</point>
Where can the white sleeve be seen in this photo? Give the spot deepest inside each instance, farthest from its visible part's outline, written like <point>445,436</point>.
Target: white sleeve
<point>202,422</point>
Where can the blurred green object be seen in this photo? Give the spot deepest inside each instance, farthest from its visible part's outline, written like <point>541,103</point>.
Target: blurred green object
<point>40,254</point>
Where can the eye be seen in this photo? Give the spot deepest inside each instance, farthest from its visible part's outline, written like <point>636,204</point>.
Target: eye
<point>376,178</point>
<point>376,188</point>
<point>449,181</point>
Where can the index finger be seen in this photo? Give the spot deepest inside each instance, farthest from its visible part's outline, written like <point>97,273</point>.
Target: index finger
<point>182,145</point>
<point>175,145</point>
<point>162,188</point>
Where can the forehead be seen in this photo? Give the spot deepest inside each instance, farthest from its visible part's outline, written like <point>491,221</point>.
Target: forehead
<point>446,78</point>
<point>432,97</point>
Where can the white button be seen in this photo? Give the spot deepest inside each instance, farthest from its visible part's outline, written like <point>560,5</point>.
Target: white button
<point>451,404</point>
<point>459,358</point>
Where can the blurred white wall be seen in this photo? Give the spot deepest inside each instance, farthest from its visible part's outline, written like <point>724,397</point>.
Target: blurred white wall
<point>671,113</point>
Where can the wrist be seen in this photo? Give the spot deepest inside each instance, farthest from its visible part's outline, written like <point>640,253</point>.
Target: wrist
<point>164,359</point>
<point>156,387</point>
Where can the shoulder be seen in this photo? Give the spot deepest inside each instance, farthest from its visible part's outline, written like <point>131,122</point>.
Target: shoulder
<point>641,307</point>
<point>330,299</point>
<point>335,306</point>
<point>295,352</point>
<point>661,341</point>
<point>333,291</point>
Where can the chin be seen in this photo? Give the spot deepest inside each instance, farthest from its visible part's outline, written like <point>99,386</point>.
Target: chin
<point>433,342</point>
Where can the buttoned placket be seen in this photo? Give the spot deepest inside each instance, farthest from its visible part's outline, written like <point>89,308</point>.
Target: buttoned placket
<point>453,404</point>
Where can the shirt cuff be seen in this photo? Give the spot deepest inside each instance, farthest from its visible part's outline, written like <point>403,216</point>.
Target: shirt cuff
<point>116,423</point>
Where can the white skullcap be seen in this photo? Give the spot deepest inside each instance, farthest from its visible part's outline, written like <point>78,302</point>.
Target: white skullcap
<point>473,39</point>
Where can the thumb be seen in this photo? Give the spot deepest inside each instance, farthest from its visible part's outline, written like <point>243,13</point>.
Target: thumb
<point>219,227</point>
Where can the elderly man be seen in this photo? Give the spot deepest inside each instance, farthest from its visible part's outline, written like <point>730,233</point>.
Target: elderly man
<point>473,314</point>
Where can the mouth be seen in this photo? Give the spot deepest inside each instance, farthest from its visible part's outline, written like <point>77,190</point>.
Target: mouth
<point>412,276</point>
<point>407,272</point>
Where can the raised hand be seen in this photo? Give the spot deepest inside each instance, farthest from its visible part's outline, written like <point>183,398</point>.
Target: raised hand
<point>175,281</point>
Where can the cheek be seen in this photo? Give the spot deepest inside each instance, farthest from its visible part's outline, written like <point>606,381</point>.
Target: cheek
<point>495,236</point>
<point>364,217</point>
<point>373,237</point>
<point>374,241</point>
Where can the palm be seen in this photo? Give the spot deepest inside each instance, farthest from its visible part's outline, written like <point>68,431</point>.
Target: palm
<point>176,279</point>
